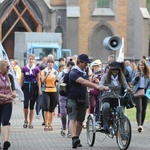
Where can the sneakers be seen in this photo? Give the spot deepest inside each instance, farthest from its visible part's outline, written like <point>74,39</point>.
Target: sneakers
<point>140,129</point>
<point>63,132</point>
<point>43,124</point>
<point>75,142</point>
<point>68,135</point>
<point>38,116</point>
<point>79,145</point>
<point>6,145</point>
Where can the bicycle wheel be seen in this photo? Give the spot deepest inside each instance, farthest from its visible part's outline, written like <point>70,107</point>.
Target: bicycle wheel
<point>91,130</point>
<point>124,133</point>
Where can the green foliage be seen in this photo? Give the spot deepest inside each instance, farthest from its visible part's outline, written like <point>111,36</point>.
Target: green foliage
<point>131,113</point>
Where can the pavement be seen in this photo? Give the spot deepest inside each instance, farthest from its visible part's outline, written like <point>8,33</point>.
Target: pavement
<point>38,139</point>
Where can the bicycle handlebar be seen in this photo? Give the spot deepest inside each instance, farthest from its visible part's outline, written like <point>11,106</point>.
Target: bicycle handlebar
<point>119,96</point>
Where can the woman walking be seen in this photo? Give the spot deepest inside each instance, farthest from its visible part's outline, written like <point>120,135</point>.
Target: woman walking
<point>31,86</point>
<point>6,98</point>
<point>141,80</point>
<point>48,76</point>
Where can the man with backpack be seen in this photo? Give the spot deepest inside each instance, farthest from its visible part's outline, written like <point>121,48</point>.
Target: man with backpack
<point>76,105</point>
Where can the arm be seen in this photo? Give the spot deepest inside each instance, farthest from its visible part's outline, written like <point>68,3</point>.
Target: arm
<point>87,83</point>
<point>39,83</point>
<point>6,96</point>
<point>21,80</point>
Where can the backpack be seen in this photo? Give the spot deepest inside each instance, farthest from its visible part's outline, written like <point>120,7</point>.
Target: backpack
<point>64,85</point>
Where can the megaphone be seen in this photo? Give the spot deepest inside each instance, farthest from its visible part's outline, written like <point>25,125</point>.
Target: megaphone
<point>113,43</point>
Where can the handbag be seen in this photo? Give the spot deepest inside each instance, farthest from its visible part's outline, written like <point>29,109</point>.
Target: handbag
<point>139,93</point>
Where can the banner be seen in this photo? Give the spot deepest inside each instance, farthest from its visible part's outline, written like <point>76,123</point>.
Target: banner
<point>3,56</point>
<point>121,53</point>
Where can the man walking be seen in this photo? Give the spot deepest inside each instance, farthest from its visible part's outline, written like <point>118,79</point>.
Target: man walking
<point>76,106</point>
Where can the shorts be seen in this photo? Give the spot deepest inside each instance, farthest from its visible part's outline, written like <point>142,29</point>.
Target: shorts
<point>76,112</point>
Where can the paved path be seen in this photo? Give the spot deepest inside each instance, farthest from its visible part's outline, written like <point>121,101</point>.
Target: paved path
<point>38,139</point>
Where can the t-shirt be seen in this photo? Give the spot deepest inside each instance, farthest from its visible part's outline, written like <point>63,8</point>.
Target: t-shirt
<point>76,90</point>
<point>28,77</point>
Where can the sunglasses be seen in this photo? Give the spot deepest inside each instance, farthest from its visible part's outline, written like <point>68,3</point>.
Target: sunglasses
<point>116,69</point>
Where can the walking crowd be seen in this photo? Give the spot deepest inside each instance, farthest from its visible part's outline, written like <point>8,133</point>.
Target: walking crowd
<point>77,86</point>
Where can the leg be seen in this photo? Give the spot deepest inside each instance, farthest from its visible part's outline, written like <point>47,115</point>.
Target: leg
<point>105,112</point>
<point>138,111</point>
<point>25,110</point>
<point>144,106</point>
<point>47,118</point>
<point>51,118</point>
<point>5,129</point>
<point>53,102</point>
<point>63,111</point>
<point>63,121</point>
<point>25,115</point>
<point>76,115</point>
<point>31,114</point>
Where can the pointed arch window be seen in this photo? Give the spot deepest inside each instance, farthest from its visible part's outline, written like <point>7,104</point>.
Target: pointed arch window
<point>58,29</point>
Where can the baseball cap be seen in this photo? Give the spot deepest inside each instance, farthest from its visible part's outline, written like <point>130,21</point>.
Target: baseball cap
<point>84,57</point>
<point>114,65</point>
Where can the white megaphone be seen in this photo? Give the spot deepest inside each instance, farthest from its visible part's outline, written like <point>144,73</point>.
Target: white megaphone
<point>113,43</point>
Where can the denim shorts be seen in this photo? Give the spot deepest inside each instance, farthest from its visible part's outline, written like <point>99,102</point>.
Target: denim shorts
<point>75,111</point>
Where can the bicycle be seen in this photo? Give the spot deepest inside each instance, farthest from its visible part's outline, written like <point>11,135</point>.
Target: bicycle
<point>119,125</point>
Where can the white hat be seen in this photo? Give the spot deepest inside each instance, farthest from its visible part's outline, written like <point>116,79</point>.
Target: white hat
<point>96,62</point>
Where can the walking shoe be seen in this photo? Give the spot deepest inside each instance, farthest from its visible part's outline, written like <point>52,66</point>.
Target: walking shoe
<point>68,135</point>
<point>6,145</point>
<point>140,129</point>
<point>75,143</point>
<point>43,124</point>
<point>38,116</point>
<point>79,145</point>
<point>25,124</point>
<point>63,132</point>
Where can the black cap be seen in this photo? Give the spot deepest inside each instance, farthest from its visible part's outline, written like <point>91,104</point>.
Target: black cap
<point>84,57</point>
<point>114,65</point>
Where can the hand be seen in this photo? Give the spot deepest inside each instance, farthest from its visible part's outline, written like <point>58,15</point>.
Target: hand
<point>39,92</point>
<point>96,80</point>
<point>13,96</point>
<point>9,97</point>
<point>101,88</point>
<point>106,88</point>
<point>137,74</point>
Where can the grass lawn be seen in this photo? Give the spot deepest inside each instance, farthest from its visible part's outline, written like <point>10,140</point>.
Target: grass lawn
<point>131,113</point>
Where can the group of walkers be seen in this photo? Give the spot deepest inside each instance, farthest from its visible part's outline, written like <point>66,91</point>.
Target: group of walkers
<point>40,84</point>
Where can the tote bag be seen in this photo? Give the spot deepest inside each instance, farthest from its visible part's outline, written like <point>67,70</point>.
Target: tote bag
<point>139,93</point>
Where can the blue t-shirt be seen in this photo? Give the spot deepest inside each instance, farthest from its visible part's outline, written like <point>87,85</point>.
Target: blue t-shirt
<point>76,90</point>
